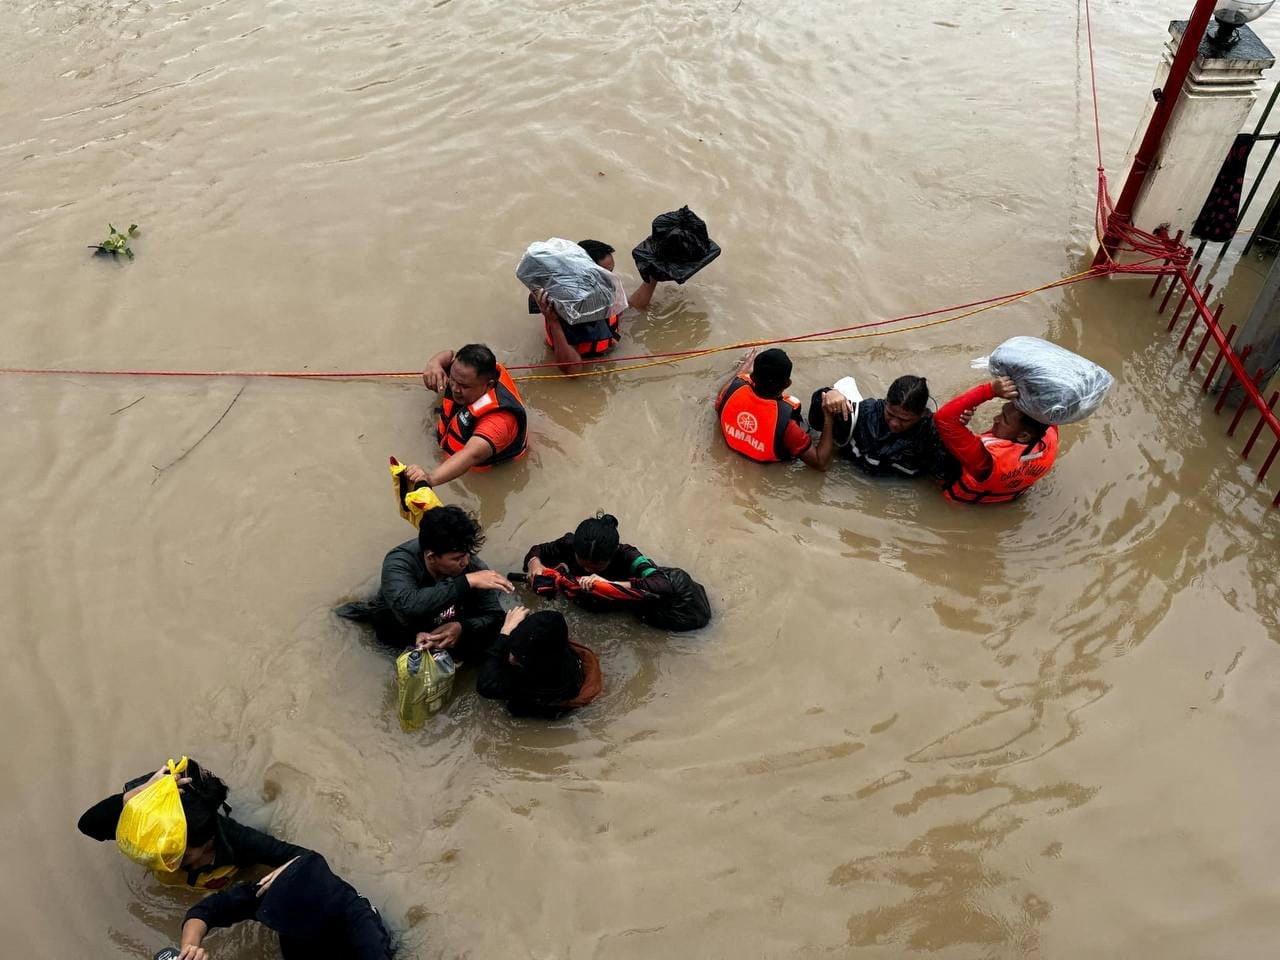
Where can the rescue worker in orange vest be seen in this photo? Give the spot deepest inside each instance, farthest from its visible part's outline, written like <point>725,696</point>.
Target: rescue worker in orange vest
<point>999,465</point>
<point>481,419</point>
<point>761,422</point>
<point>572,342</point>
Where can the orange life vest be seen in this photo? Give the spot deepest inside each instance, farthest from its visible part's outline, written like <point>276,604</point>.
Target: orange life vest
<point>754,426</point>
<point>1015,468</point>
<point>589,339</point>
<point>456,424</point>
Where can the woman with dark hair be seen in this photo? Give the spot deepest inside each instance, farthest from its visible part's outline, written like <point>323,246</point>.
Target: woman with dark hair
<point>593,556</point>
<point>893,437</point>
<point>317,915</point>
<point>537,669</point>
<point>217,846</point>
<point>999,465</point>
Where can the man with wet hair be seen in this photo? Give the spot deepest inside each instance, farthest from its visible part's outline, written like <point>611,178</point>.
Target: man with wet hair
<point>436,594</point>
<point>481,420</point>
<point>762,422</point>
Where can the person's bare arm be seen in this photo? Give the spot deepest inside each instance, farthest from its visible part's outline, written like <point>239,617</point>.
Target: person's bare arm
<point>476,452</point>
<point>565,355</point>
<point>743,369</point>
<point>193,932</point>
<point>643,294</point>
<point>819,455</point>
<point>436,373</point>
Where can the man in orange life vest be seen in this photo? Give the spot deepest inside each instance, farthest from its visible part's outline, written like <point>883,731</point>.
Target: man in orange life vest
<point>481,419</point>
<point>761,422</point>
<point>999,465</point>
<point>572,343</point>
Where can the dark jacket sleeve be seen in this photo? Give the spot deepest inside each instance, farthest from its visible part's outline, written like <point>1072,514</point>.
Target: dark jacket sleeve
<point>643,573</point>
<point>496,674</point>
<point>482,613</point>
<point>227,908</point>
<point>402,593</point>
<point>250,847</point>
<point>552,553</point>
<point>99,821</point>
<point>367,938</point>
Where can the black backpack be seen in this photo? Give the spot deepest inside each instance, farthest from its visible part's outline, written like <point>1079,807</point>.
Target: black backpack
<point>677,249</point>
<point>685,609</point>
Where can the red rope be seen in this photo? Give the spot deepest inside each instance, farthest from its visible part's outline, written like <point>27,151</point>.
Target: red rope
<point>377,374</point>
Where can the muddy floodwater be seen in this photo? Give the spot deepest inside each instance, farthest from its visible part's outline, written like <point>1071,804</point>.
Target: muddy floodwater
<point>1042,730</point>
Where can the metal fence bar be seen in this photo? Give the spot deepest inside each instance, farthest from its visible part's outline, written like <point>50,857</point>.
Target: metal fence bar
<point>1257,429</point>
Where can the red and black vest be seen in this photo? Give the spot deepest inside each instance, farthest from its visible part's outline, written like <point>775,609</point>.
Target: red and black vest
<point>592,339</point>
<point>1014,469</point>
<point>457,424</point>
<point>754,426</point>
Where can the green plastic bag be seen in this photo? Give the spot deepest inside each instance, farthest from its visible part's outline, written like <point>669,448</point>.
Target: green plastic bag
<point>423,684</point>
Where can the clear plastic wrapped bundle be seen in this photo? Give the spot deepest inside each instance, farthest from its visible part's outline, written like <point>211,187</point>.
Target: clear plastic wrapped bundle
<point>1054,385</point>
<point>581,290</point>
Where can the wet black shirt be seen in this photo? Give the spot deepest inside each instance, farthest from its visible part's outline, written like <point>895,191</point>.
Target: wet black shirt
<point>628,564</point>
<point>318,915</point>
<point>560,679</point>
<point>876,450</point>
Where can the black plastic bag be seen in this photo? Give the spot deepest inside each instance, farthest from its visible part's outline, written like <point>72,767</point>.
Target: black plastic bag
<point>685,609</point>
<point>677,249</point>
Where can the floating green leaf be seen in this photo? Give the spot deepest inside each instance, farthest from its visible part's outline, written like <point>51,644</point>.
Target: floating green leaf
<point>116,242</point>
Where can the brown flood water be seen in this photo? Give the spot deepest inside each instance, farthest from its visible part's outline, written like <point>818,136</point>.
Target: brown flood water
<point>1045,730</point>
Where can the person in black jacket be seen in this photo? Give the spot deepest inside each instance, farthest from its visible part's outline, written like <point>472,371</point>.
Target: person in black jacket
<point>893,437</point>
<point>318,915</point>
<point>217,846</point>
<point>594,551</point>
<point>436,594</point>
<point>534,667</point>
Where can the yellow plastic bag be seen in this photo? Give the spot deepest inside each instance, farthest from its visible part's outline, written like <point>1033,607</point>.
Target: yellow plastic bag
<point>152,829</point>
<point>423,685</point>
<point>412,503</point>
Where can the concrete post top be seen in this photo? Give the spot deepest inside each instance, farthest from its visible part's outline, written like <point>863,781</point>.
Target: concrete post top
<point>1247,53</point>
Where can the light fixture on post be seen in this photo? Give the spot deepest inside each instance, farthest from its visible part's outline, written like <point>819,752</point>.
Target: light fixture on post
<point>1230,14</point>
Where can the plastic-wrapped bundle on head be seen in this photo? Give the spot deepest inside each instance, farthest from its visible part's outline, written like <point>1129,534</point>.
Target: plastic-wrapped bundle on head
<point>1055,386</point>
<point>581,290</point>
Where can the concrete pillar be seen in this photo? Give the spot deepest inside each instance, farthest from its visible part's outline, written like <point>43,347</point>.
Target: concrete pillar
<point>1262,331</point>
<point>1214,103</point>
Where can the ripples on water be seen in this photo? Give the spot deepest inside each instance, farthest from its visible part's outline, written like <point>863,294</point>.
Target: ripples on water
<point>914,728</point>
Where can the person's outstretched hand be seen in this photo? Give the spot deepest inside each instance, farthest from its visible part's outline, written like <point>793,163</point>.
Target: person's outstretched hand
<point>1004,388</point>
<point>835,404</point>
<point>489,580</point>
<point>515,617</point>
<point>435,377</point>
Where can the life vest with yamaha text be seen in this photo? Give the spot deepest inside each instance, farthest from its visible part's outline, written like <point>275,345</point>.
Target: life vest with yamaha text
<point>754,426</point>
<point>457,424</point>
<point>1015,468</point>
<point>589,339</point>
